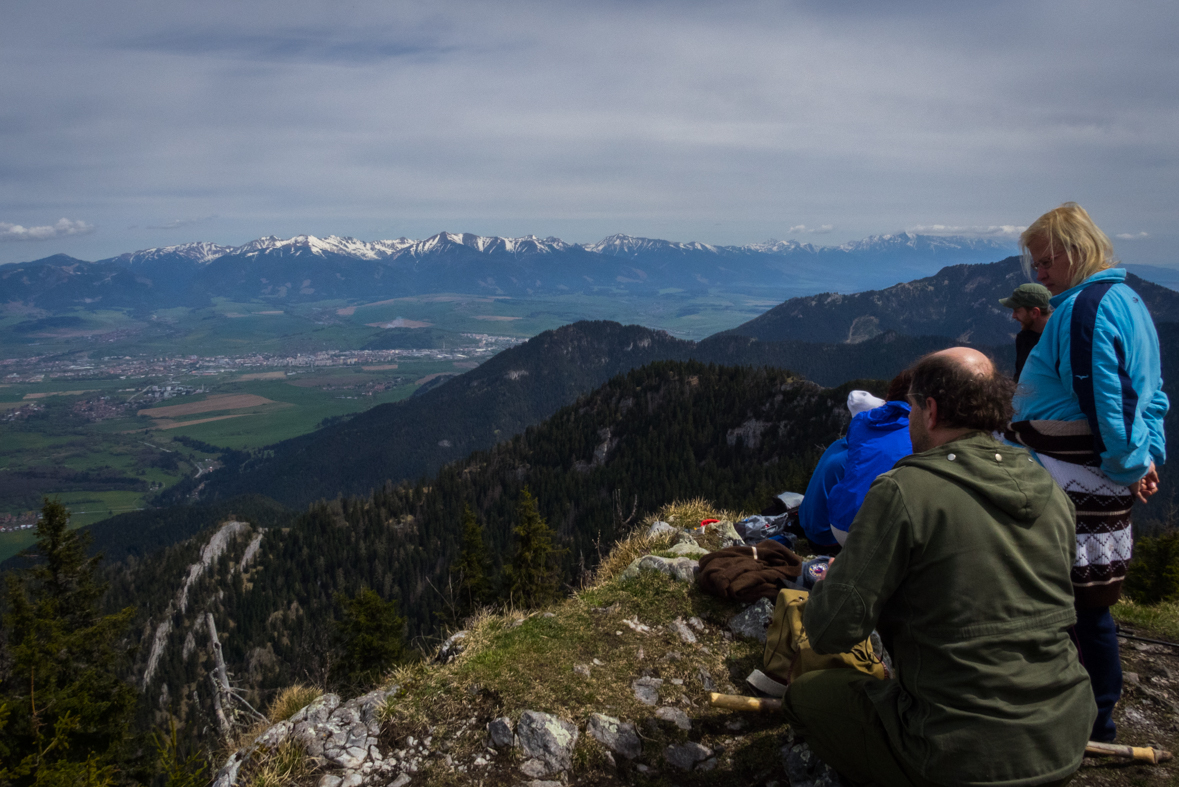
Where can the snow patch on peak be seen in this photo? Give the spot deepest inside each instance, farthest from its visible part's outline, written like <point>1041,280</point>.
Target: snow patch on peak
<point>320,247</point>
<point>773,246</point>
<point>925,243</point>
<point>628,245</point>
<point>529,244</point>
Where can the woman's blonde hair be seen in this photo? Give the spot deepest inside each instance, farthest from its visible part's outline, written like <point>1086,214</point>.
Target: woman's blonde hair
<point>1069,227</point>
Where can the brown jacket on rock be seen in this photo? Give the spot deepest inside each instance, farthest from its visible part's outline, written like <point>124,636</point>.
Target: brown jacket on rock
<point>749,573</point>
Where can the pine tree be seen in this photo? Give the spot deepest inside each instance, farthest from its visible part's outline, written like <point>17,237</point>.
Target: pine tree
<point>1154,574</point>
<point>469,572</point>
<point>67,710</point>
<point>532,576</point>
<point>371,637</point>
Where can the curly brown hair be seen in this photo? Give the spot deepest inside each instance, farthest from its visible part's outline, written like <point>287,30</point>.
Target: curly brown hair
<point>965,399</point>
<point>898,389</point>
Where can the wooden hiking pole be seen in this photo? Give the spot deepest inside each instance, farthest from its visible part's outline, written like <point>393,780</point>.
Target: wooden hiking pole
<point>1140,753</point>
<point>738,702</point>
<point>765,705</point>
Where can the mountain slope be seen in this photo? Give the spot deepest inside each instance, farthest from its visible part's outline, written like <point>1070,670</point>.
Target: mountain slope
<point>960,302</point>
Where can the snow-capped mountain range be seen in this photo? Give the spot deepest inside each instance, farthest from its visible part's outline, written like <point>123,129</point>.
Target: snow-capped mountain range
<point>615,246</point>
<point>308,268</point>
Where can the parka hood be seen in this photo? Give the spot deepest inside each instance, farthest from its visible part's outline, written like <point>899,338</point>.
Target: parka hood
<point>890,415</point>
<point>1005,475</point>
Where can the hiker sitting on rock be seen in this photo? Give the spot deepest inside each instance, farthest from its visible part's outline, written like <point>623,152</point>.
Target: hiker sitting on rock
<point>813,514</point>
<point>877,437</point>
<point>875,441</point>
<point>960,558</point>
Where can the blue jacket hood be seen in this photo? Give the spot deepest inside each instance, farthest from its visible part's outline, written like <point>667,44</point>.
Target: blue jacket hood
<point>889,416</point>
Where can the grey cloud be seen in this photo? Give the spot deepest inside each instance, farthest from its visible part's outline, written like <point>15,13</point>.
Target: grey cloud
<point>723,123</point>
<point>288,45</point>
<point>178,223</point>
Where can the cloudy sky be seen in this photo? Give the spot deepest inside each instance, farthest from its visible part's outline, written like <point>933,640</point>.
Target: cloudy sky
<point>126,125</point>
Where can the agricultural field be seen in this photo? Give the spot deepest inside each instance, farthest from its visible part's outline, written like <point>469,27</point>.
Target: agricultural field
<point>102,451</point>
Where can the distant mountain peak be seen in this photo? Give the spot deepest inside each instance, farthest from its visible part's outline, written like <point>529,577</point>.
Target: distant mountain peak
<point>200,252</point>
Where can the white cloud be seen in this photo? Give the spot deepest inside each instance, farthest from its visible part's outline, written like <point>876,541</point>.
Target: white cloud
<point>992,231</point>
<point>63,228</point>
<point>1132,236</point>
<point>822,229</point>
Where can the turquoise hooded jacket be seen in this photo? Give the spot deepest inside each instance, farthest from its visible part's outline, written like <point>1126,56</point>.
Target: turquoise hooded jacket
<point>1098,360</point>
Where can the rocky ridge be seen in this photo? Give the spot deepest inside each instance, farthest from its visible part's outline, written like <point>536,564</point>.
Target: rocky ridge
<point>646,668</point>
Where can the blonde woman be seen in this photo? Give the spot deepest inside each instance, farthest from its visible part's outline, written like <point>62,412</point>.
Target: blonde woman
<point>1090,405</point>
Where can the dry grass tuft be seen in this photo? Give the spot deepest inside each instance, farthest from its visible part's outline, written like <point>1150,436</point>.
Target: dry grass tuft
<point>689,513</point>
<point>283,767</point>
<point>625,551</point>
<point>483,626</point>
<point>290,701</point>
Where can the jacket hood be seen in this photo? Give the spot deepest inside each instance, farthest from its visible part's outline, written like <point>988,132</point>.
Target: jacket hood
<point>890,415</point>
<point>862,401</point>
<point>1005,475</point>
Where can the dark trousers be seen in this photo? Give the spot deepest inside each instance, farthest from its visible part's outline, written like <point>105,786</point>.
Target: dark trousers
<point>1096,638</point>
<point>831,711</point>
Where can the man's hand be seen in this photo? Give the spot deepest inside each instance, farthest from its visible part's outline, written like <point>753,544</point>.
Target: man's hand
<point>823,576</point>
<point>1147,485</point>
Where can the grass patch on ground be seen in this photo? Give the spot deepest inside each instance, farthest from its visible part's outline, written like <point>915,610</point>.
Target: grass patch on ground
<point>1159,620</point>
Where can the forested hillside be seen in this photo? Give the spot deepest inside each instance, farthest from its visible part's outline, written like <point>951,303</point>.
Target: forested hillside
<point>515,389</point>
<point>960,302</point>
<point>667,431</point>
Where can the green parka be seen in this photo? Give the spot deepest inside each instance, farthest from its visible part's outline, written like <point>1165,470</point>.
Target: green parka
<point>960,557</point>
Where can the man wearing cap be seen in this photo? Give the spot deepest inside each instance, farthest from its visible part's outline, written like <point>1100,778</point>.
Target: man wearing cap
<point>1030,307</point>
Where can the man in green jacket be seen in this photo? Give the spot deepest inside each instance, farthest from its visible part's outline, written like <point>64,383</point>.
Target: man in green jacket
<point>960,558</point>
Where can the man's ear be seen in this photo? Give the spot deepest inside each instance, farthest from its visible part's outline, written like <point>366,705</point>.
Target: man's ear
<point>930,413</point>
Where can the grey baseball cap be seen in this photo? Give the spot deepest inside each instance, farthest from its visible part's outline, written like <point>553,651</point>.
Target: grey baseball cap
<point>1029,296</point>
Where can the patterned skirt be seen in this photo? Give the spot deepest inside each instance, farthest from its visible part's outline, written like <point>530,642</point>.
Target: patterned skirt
<point>1104,538</point>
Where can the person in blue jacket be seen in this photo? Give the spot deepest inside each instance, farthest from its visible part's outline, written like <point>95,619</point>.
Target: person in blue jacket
<point>1090,405</point>
<point>876,439</point>
<point>813,516</point>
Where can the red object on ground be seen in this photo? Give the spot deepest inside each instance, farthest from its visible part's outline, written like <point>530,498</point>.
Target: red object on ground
<point>704,522</point>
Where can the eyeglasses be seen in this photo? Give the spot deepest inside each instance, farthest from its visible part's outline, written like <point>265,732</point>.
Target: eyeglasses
<point>1045,264</point>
